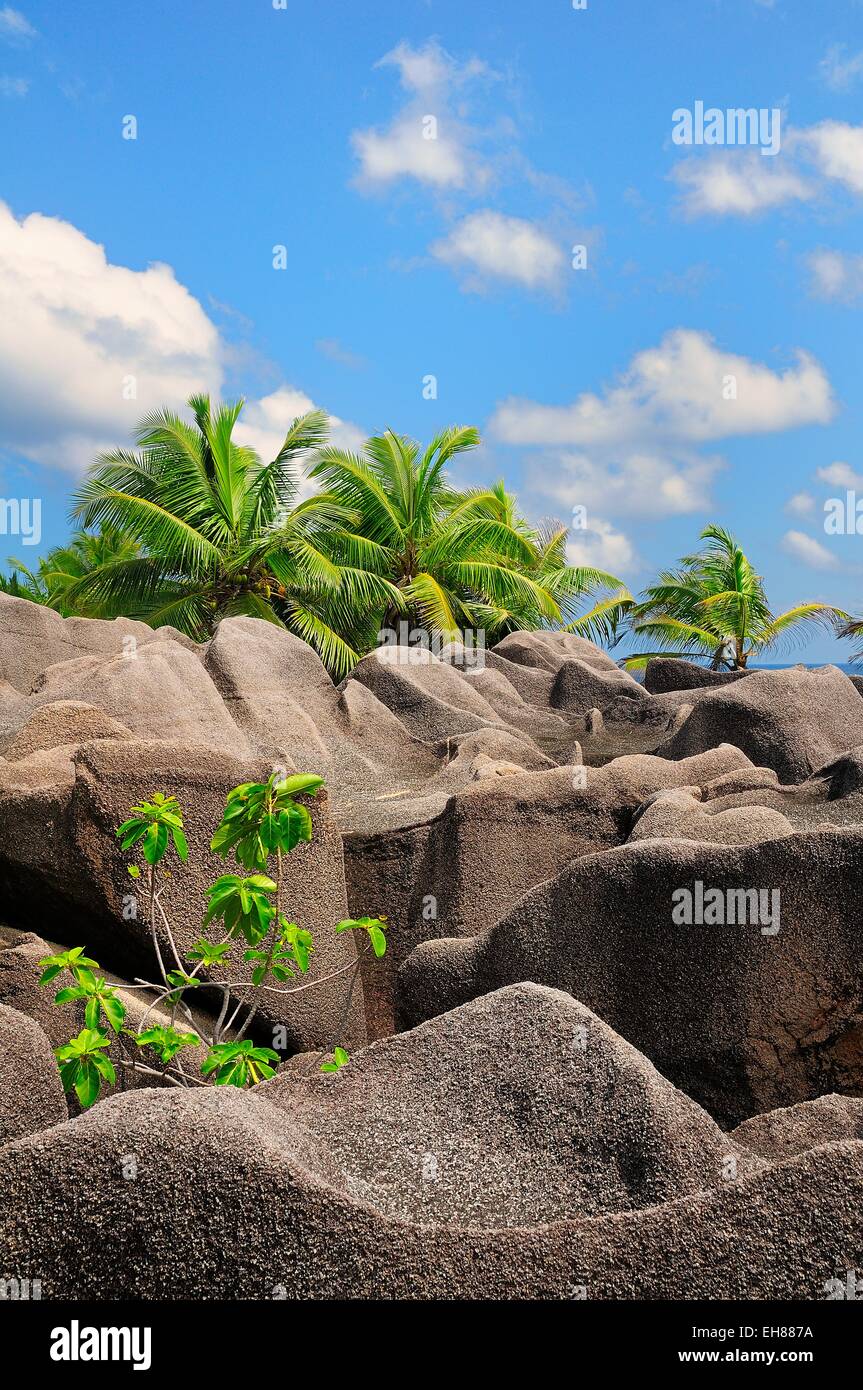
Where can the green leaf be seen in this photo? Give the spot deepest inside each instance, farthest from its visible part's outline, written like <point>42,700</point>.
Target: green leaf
<point>105,1066</point>
<point>180,842</point>
<point>65,996</point>
<point>115,1011</point>
<point>87,1083</point>
<point>340,1059</point>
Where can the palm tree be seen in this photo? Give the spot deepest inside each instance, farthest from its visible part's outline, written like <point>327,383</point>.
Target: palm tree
<point>568,584</point>
<point>457,560</point>
<point>853,628</point>
<point>221,533</point>
<point>714,606</point>
<point>64,566</point>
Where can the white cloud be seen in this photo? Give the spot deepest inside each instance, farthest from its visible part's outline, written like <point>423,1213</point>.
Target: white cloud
<point>801,504</point>
<point>637,446</point>
<point>676,393</point>
<point>632,484</point>
<point>15,27</point>
<point>836,148</point>
<point>840,475</point>
<point>265,422</point>
<point>839,69</point>
<point>739,183</point>
<point>488,245</point>
<point>809,551</point>
<point>604,547</point>
<point>76,330</point>
<point>428,140</point>
<point>835,275</point>
<point>404,151</point>
<point>14,86</point>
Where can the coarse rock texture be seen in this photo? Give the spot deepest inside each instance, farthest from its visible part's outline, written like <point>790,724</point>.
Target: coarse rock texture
<point>671,673</point>
<point>548,651</point>
<point>431,698</point>
<point>460,868</point>
<point>793,721</point>
<point>558,1165</point>
<point>159,691</point>
<point>33,637</point>
<point>280,696</point>
<point>62,724</point>
<point>524,817</point>
<point>580,686</point>
<point>679,815</point>
<point>532,1090</point>
<point>742,1017</point>
<point>31,1094</point>
<point>781,1134</point>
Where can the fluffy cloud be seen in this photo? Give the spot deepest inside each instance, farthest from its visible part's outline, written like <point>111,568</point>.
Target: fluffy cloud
<point>835,275</point>
<point>265,422</point>
<point>739,183</point>
<point>88,347</point>
<point>638,447</point>
<point>427,140</point>
<point>837,150</point>
<point>448,139</point>
<point>14,86</point>
<point>809,551</point>
<point>631,484</point>
<point>801,504</point>
<point>604,547</point>
<point>677,393</point>
<point>488,245</point>
<point>840,475</point>
<point>79,336</point>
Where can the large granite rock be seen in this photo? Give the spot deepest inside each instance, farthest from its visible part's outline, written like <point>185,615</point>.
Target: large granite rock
<point>31,1094</point>
<point>456,869</point>
<point>742,1017</point>
<point>670,673</point>
<point>782,1134</point>
<point>33,638</point>
<point>580,686</point>
<point>681,815</point>
<point>557,1164</point>
<point>794,721</point>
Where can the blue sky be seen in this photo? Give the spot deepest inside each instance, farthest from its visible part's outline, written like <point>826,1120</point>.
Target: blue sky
<point>608,387</point>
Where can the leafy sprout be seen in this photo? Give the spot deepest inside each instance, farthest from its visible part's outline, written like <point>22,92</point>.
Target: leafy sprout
<point>74,961</point>
<point>374,926</point>
<point>340,1059</point>
<point>83,1065</point>
<point>239,1063</point>
<point>166,1041</point>
<point>263,818</point>
<point>152,823</point>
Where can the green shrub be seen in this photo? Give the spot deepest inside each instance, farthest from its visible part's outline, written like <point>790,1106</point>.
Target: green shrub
<point>262,823</point>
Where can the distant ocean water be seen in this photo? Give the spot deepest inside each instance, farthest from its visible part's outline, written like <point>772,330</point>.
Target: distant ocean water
<point>845,666</point>
<point>810,665</point>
